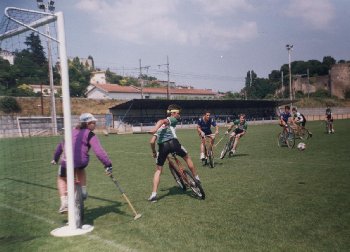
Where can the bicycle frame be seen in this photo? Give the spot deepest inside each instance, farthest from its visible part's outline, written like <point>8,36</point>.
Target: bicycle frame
<point>209,149</point>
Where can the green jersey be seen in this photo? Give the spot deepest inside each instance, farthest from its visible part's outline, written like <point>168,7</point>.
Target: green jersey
<point>167,132</point>
<point>241,126</point>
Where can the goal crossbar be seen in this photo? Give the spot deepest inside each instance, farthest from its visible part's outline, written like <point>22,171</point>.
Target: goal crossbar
<point>49,18</point>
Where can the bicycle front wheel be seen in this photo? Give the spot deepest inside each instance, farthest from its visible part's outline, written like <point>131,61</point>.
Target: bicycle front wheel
<point>79,205</point>
<point>211,157</point>
<point>195,186</point>
<point>304,134</point>
<point>177,177</point>
<point>281,141</point>
<point>225,149</point>
<point>290,138</point>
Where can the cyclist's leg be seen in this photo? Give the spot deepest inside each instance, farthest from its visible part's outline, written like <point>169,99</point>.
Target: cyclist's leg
<point>235,144</point>
<point>191,166</point>
<point>62,189</point>
<point>81,176</point>
<point>232,138</point>
<point>156,177</point>
<point>202,155</point>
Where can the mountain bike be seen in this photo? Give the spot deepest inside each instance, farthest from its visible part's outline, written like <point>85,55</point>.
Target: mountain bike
<point>227,147</point>
<point>286,137</point>
<point>208,150</point>
<point>184,178</point>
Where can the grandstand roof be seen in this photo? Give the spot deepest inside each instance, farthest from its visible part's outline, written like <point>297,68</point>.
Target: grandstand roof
<point>195,104</point>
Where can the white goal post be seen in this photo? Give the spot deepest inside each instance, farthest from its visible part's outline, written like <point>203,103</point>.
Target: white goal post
<point>20,21</point>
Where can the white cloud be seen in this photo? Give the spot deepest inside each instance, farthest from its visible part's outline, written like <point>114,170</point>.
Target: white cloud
<point>152,21</point>
<point>221,7</point>
<point>318,13</point>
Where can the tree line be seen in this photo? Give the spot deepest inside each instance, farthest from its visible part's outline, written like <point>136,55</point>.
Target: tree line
<point>31,67</point>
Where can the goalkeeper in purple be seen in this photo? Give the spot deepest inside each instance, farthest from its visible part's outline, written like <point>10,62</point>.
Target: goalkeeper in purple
<point>83,139</point>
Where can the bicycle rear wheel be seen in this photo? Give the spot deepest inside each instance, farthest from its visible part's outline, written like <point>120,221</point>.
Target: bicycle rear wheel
<point>195,185</point>
<point>177,177</point>
<point>79,205</point>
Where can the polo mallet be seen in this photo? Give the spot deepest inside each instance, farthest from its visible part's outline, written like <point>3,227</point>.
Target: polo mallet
<point>136,215</point>
<point>219,141</point>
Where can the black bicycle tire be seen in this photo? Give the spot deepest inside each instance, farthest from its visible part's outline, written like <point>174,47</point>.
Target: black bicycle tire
<point>280,137</point>
<point>211,157</point>
<point>304,134</point>
<point>195,186</point>
<point>225,149</point>
<point>79,205</point>
<point>177,177</point>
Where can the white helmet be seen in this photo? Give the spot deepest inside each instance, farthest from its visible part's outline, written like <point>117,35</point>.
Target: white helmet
<point>87,117</point>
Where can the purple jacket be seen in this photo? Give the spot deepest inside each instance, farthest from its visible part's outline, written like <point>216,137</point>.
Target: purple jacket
<point>81,147</point>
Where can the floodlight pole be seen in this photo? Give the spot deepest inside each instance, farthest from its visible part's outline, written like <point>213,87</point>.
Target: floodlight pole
<point>49,7</point>
<point>289,48</point>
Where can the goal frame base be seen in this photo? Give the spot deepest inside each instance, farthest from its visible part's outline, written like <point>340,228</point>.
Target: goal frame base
<point>67,231</point>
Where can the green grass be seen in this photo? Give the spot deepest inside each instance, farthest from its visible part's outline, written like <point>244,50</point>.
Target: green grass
<point>265,198</point>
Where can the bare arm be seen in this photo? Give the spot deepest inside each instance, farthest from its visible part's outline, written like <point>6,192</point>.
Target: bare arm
<point>153,145</point>
<point>158,125</point>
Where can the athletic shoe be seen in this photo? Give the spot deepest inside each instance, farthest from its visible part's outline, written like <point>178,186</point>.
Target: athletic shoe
<point>202,157</point>
<point>84,195</point>
<point>63,209</point>
<point>332,130</point>
<point>152,199</point>
<point>232,151</point>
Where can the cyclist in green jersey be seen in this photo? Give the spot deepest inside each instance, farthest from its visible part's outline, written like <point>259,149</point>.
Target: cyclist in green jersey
<point>240,130</point>
<point>165,134</point>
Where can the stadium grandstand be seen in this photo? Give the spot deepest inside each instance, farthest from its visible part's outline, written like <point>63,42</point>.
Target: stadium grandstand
<point>147,112</point>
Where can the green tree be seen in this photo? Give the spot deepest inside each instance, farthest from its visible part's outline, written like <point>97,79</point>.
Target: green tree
<point>9,105</point>
<point>79,77</point>
<point>112,77</point>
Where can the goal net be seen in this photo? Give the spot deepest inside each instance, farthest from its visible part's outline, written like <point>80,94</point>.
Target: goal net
<point>32,45</point>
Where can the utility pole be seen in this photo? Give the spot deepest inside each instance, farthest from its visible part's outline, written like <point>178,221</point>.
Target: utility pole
<point>140,76</point>
<point>282,84</point>
<point>49,7</point>
<point>308,84</point>
<point>168,74</point>
<point>289,48</point>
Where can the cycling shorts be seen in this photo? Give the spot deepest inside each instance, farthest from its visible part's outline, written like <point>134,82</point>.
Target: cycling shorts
<point>62,171</point>
<point>171,146</point>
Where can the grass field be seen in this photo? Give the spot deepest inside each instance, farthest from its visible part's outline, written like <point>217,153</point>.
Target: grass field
<point>265,198</point>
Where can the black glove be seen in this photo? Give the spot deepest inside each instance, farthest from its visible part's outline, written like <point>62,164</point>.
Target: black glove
<point>108,170</point>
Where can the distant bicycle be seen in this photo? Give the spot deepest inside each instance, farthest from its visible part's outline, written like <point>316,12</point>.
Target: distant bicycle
<point>286,137</point>
<point>208,150</point>
<point>184,177</point>
<point>227,147</point>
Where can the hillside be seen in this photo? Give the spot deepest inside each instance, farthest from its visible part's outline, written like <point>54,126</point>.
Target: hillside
<point>31,106</point>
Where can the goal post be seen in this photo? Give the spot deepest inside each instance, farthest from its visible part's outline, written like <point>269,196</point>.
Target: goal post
<point>18,21</point>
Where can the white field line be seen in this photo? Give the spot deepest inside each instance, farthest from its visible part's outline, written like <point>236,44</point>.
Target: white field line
<point>89,236</point>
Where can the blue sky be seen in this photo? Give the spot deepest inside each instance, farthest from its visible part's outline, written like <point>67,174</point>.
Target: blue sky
<point>210,44</point>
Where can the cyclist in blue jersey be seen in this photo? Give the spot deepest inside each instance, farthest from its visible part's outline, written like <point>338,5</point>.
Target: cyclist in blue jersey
<point>204,130</point>
<point>284,117</point>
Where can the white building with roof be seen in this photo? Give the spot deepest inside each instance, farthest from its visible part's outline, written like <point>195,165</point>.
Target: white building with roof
<point>115,91</point>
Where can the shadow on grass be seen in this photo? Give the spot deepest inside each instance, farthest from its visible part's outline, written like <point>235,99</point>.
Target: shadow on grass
<point>175,190</point>
<point>92,214</point>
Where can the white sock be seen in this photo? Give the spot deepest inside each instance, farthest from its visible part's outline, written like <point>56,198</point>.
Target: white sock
<point>197,177</point>
<point>84,190</point>
<point>153,194</point>
<point>64,200</point>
